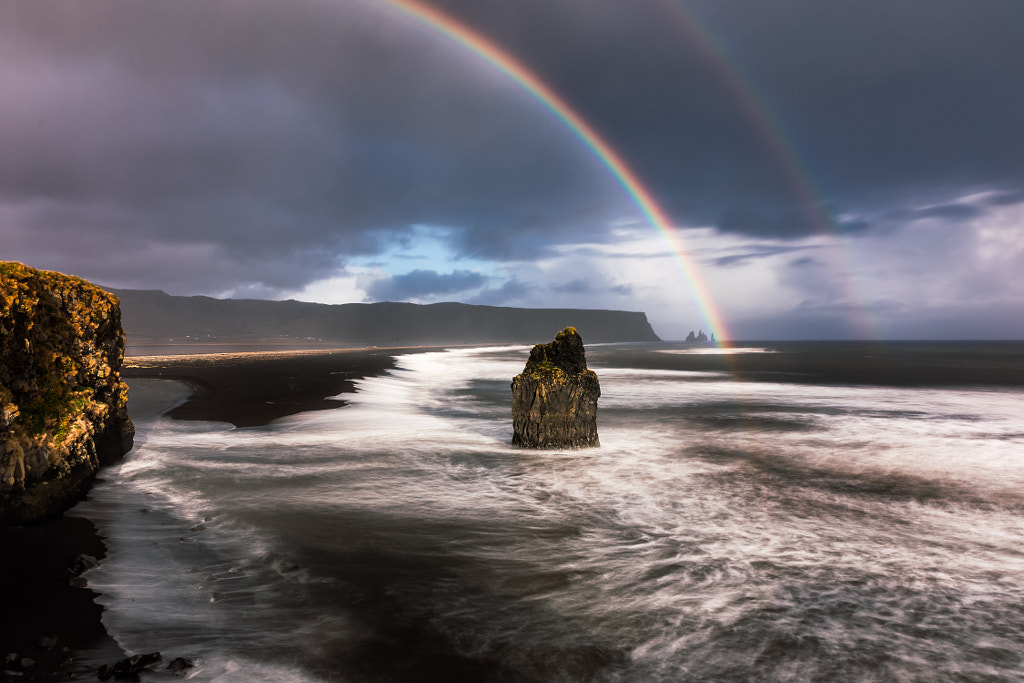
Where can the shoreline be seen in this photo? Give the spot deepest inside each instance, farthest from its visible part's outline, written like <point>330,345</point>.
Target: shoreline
<point>50,616</point>
<point>56,624</point>
<point>253,388</point>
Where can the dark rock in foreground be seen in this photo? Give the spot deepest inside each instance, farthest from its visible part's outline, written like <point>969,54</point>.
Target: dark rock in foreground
<point>179,666</point>
<point>129,666</point>
<point>554,400</point>
<point>46,615</point>
<point>63,406</point>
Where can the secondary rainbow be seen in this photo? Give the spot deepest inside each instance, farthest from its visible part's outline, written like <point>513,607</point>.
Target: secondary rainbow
<point>533,85</point>
<point>755,106</point>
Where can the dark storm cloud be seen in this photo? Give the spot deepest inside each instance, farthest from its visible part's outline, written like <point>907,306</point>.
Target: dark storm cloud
<point>956,212</point>
<point>274,142</point>
<point>753,252</point>
<point>511,290</point>
<point>514,291</point>
<point>872,102</point>
<point>1007,198</point>
<point>785,224</point>
<point>424,284</point>
<point>594,284</point>
<point>805,262</point>
<point>242,146</point>
<point>577,286</point>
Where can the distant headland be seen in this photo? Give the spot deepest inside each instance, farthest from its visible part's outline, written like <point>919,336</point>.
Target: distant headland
<point>152,317</point>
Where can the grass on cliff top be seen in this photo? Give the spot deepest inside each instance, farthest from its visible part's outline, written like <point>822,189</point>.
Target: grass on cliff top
<point>53,406</point>
<point>13,271</point>
<point>12,268</point>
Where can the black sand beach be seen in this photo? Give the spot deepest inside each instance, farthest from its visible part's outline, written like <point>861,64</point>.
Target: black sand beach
<point>785,514</point>
<point>52,628</point>
<point>55,627</point>
<point>253,388</point>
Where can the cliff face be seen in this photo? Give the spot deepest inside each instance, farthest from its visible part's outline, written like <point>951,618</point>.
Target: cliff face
<point>554,400</point>
<point>155,315</point>
<point>63,406</point>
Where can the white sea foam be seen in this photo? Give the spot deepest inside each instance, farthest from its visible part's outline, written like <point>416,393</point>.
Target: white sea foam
<point>723,529</point>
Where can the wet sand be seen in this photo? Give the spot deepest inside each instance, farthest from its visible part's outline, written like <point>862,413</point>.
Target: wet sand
<point>254,388</point>
<point>58,626</point>
<point>51,626</point>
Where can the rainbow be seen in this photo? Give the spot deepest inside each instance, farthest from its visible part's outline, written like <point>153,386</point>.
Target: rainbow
<point>528,81</point>
<point>771,132</point>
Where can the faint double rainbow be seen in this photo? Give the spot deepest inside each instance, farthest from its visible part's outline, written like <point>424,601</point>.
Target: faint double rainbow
<point>528,81</point>
<point>772,133</point>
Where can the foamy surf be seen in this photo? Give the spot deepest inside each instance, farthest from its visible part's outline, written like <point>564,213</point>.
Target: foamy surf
<point>724,530</point>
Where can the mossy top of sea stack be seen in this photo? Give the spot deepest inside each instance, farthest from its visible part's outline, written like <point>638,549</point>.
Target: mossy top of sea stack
<point>554,399</point>
<point>564,354</point>
<point>63,406</point>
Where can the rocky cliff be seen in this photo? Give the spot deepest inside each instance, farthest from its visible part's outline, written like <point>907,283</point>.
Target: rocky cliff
<point>63,406</point>
<point>154,315</point>
<point>554,400</point>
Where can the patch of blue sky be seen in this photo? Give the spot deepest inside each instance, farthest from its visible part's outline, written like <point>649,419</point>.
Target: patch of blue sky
<point>423,247</point>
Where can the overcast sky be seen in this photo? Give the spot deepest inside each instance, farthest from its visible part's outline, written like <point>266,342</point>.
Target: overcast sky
<point>839,169</point>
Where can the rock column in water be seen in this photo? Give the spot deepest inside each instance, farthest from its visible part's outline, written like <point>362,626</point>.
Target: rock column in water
<point>63,406</point>
<point>554,400</point>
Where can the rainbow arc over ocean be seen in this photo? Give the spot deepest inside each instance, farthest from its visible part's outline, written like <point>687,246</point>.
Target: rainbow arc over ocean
<point>627,178</point>
<point>772,133</point>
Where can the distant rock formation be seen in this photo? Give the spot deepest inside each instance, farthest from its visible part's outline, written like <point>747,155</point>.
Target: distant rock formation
<point>63,406</point>
<point>700,337</point>
<point>554,400</point>
<point>131,666</point>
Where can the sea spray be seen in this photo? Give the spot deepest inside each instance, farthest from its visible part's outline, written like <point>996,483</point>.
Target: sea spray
<point>726,529</point>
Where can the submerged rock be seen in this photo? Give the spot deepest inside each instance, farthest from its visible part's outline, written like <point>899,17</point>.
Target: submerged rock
<point>554,400</point>
<point>129,666</point>
<point>63,406</point>
<point>179,666</point>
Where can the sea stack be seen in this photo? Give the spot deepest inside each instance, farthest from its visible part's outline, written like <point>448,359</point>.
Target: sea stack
<point>63,406</point>
<point>554,400</point>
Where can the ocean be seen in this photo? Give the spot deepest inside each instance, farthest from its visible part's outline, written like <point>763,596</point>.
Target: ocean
<point>777,512</point>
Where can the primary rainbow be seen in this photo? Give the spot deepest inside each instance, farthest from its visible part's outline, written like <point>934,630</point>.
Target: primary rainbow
<point>772,133</point>
<point>529,82</point>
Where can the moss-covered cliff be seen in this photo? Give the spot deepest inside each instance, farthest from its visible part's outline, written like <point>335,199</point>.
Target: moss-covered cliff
<point>63,406</point>
<point>554,399</point>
